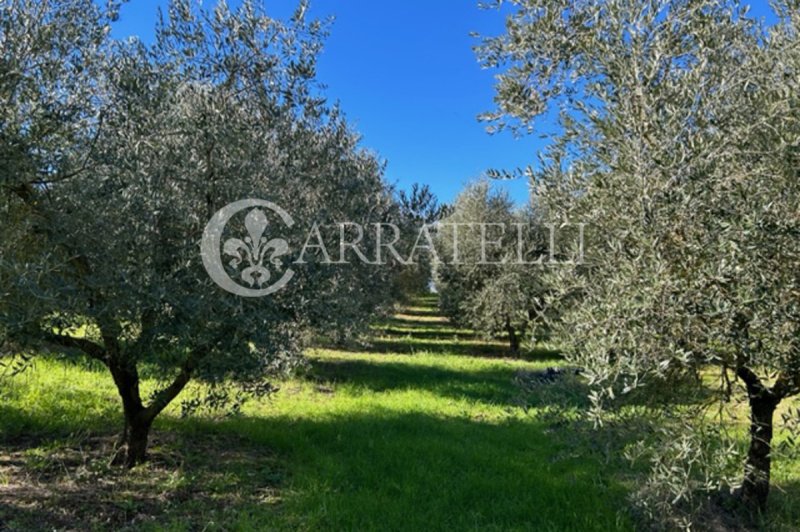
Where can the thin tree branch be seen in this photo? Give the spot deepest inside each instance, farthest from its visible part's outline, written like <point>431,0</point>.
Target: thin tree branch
<point>165,396</point>
<point>88,347</point>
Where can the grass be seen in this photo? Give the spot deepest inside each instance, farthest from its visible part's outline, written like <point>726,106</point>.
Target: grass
<point>421,431</point>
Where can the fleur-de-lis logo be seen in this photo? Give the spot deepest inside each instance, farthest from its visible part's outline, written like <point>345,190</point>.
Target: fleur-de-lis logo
<point>255,249</point>
<point>255,254</point>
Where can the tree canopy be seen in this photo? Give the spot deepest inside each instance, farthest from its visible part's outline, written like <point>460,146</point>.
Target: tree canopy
<point>485,275</point>
<point>116,155</point>
<point>678,147</point>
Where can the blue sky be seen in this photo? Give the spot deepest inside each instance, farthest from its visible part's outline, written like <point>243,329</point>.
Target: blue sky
<point>408,80</point>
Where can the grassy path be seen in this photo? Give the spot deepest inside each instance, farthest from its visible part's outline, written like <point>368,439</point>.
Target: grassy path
<point>420,432</point>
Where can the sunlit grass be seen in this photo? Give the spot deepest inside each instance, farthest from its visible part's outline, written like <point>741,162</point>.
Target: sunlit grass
<point>412,439</point>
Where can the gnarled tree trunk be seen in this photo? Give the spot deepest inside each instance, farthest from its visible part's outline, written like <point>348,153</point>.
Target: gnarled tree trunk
<point>138,417</point>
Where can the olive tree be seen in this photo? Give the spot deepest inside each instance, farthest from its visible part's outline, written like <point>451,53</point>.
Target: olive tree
<point>484,275</point>
<point>416,208</point>
<point>678,146</point>
<point>117,155</point>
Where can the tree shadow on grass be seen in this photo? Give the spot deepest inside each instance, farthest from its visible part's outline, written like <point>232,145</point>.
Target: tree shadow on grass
<point>441,339</point>
<point>406,335</point>
<point>488,386</point>
<point>443,327</point>
<point>67,483</point>
<point>423,334</point>
<point>382,469</point>
<point>420,311</point>
<point>375,469</point>
<point>458,348</point>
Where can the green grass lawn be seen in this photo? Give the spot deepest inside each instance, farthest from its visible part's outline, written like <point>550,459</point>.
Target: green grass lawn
<point>413,438</point>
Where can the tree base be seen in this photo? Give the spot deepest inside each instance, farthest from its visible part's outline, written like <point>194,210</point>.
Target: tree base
<point>131,447</point>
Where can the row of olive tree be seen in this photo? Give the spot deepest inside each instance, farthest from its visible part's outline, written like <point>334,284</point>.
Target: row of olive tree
<point>115,155</point>
<point>417,208</point>
<point>679,146</point>
<point>483,276</point>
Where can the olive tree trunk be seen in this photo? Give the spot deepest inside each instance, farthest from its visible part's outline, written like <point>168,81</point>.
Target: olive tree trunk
<point>763,402</point>
<point>137,421</point>
<point>755,489</point>
<point>513,339</point>
<point>137,438</point>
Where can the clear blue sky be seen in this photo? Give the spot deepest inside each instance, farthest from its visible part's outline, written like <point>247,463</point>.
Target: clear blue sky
<point>408,80</point>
